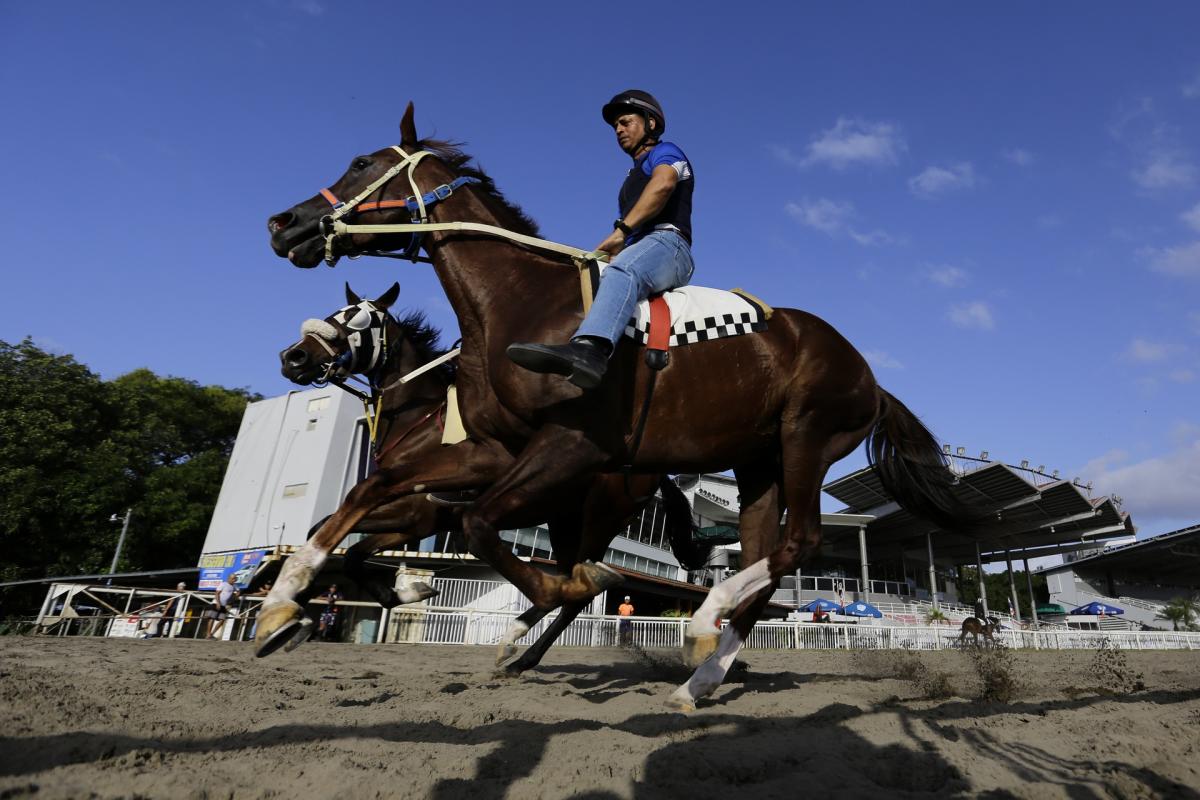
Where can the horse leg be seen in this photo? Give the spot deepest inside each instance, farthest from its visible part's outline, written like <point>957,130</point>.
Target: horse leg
<point>532,482</point>
<point>760,513</point>
<point>608,506</point>
<point>804,466</point>
<point>564,562</point>
<point>279,618</point>
<point>383,593</point>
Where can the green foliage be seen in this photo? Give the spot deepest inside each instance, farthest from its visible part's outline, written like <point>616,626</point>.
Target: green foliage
<point>1182,612</point>
<point>78,449</point>
<point>997,589</point>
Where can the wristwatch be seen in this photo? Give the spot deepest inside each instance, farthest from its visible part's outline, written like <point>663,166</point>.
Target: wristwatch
<point>620,225</point>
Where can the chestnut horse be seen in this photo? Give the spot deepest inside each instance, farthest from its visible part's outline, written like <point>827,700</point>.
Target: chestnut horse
<point>975,627</point>
<point>778,407</point>
<point>386,351</point>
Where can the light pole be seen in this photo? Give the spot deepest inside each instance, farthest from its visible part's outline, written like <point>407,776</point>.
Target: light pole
<point>120,542</point>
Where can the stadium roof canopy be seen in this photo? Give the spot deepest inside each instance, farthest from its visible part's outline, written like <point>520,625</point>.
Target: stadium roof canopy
<point>1170,558</point>
<point>1012,512</point>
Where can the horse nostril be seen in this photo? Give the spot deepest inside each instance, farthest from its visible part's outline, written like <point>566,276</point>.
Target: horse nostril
<point>295,357</point>
<point>280,221</point>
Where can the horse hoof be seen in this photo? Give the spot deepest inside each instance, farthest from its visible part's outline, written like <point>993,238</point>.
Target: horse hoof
<point>697,649</point>
<point>596,577</point>
<point>300,636</point>
<point>681,701</point>
<point>277,624</point>
<point>504,652</point>
<point>416,592</point>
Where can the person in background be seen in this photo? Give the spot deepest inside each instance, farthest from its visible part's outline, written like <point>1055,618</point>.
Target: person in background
<point>170,609</point>
<point>328,621</point>
<point>625,626</point>
<point>223,598</point>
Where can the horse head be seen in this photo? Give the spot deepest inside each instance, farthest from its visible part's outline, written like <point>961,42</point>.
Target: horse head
<point>374,189</point>
<point>352,339</point>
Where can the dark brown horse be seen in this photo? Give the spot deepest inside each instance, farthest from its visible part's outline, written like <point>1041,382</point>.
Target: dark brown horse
<point>385,350</point>
<point>778,408</point>
<point>975,627</point>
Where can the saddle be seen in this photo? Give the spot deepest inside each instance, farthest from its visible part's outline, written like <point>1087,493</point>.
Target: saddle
<point>683,316</point>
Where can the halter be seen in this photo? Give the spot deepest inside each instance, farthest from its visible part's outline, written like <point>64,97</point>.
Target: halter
<point>367,349</point>
<point>417,204</point>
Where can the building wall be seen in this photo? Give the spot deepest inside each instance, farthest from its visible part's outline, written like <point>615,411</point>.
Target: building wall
<point>295,458</point>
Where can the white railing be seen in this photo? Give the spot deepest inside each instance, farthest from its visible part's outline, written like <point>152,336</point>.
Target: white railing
<point>455,626</point>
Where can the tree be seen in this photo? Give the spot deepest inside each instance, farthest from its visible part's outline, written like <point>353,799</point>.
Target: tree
<point>998,590</point>
<point>1183,611</point>
<point>77,449</point>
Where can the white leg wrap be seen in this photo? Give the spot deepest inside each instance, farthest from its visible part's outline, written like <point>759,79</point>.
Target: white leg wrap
<point>708,676</point>
<point>515,631</point>
<point>728,595</point>
<point>297,574</point>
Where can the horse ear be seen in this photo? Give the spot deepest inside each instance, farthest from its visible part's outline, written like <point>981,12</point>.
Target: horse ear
<point>408,129</point>
<point>351,297</point>
<point>386,299</point>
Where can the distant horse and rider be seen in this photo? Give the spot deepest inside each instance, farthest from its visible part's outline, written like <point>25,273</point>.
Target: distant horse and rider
<point>976,627</point>
<point>777,407</point>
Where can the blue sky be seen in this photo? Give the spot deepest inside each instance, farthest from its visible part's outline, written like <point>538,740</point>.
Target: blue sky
<point>1000,207</point>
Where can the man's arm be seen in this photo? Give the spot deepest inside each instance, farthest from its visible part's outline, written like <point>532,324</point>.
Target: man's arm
<point>654,198</point>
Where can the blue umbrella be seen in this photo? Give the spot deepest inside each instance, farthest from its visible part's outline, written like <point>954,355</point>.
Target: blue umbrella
<point>1095,609</point>
<point>822,604</point>
<point>861,609</point>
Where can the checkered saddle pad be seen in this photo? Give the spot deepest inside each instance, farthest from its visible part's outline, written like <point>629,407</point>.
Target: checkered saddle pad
<point>700,314</point>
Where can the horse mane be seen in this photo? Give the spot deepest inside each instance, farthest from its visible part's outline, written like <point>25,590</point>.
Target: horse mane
<point>450,152</point>
<point>426,340</point>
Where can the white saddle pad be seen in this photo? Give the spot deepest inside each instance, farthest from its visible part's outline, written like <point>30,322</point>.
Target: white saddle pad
<point>700,314</point>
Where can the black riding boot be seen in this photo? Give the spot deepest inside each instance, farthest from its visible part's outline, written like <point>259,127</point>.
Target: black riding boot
<point>582,360</point>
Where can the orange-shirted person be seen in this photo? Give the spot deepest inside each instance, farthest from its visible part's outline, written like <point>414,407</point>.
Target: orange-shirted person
<point>625,626</point>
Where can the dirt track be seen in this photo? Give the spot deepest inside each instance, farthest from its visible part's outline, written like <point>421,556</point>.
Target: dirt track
<point>116,717</point>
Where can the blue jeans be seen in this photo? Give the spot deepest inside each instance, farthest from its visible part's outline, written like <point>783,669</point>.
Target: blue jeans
<point>660,261</point>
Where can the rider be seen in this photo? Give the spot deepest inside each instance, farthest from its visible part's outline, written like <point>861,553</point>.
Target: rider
<point>650,243</point>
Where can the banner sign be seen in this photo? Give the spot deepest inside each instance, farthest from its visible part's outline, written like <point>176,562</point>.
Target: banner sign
<point>214,569</point>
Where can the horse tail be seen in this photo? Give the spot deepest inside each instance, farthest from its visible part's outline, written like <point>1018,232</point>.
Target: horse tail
<point>911,466</point>
<point>690,554</point>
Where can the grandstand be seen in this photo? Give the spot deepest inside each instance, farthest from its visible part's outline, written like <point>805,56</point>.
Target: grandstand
<point>1139,578</point>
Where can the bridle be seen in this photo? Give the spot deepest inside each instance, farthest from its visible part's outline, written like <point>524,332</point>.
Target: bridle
<point>332,225</point>
<point>364,327</point>
<point>417,204</point>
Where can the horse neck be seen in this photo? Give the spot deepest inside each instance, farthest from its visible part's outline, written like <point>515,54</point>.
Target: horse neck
<point>403,358</point>
<point>479,273</point>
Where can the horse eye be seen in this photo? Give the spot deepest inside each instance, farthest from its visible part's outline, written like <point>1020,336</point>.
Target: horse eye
<point>360,163</point>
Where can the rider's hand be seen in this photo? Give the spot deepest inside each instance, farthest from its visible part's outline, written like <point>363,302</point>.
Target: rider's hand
<point>614,244</point>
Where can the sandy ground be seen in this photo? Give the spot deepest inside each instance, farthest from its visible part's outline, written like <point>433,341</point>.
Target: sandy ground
<point>111,718</point>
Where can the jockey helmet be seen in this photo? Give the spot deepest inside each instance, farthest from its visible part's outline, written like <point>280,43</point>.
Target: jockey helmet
<point>640,102</point>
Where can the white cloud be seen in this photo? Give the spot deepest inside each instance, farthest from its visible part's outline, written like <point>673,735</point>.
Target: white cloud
<point>1160,487</point>
<point>1192,90</point>
<point>1019,156</point>
<point>881,360</point>
<point>947,276</point>
<point>1144,351</point>
<point>1182,376</point>
<point>1192,217</point>
<point>833,218</point>
<point>1182,261</point>
<point>847,143</point>
<point>938,180</point>
<point>823,214</point>
<point>972,315</point>
<point>1164,168</point>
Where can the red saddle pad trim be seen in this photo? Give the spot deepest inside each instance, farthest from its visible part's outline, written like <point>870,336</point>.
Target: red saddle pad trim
<point>660,324</point>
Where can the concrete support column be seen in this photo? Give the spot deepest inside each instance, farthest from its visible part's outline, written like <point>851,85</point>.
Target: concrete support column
<point>1029,585</point>
<point>1012,586</point>
<point>798,598</point>
<point>932,573</point>
<point>980,584</point>
<point>862,559</point>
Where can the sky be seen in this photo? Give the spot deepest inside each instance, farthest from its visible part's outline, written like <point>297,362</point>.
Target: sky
<point>999,206</point>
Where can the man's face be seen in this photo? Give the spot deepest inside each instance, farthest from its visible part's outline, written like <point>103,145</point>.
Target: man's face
<point>630,128</point>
